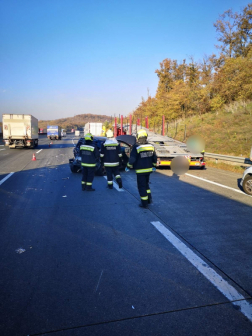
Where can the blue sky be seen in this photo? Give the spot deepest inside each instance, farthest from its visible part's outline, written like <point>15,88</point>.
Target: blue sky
<point>60,58</point>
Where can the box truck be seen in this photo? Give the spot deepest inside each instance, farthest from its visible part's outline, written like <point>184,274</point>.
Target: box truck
<point>77,133</point>
<point>20,130</point>
<point>93,128</point>
<point>54,132</point>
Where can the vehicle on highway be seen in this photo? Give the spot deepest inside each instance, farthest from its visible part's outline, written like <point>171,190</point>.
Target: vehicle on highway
<point>246,181</point>
<point>20,130</point>
<point>126,142</point>
<point>94,128</point>
<point>63,132</point>
<point>54,132</point>
<point>77,133</point>
<point>168,149</point>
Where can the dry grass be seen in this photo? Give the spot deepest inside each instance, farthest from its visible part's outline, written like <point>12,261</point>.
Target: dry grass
<point>225,132</point>
<point>225,166</point>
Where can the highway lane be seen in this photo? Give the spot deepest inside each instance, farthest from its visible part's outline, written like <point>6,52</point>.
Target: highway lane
<point>95,265</point>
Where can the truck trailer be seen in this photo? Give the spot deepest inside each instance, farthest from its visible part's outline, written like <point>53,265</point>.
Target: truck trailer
<point>20,130</point>
<point>93,128</point>
<point>54,132</point>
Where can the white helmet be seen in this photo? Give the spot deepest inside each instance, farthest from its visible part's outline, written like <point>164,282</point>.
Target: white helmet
<point>109,134</point>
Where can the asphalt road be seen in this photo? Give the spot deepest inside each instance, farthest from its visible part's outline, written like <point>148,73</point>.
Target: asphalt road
<point>97,264</point>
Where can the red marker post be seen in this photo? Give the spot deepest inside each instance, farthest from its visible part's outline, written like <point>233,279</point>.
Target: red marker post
<point>115,129</point>
<point>121,124</point>
<point>146,122</point>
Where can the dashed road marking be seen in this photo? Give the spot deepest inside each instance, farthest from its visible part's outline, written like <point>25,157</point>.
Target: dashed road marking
<point>222,285</point>
<point>39,151</point>
<point>218,184</point>
<point>115,185</point>
<point>6,178</point>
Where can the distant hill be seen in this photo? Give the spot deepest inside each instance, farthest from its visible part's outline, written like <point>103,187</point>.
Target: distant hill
<point>75,122</point>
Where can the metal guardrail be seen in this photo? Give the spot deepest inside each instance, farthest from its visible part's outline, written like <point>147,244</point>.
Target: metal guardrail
<point>236,159</point>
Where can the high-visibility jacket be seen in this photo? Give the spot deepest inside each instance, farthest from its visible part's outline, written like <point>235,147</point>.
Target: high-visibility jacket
<point>111,153</point>
<point>142,158</point>
<point>89,154</point>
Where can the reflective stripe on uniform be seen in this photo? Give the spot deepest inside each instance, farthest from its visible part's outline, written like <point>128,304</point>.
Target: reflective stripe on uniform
<point>113,144</point>
<point>147,170</point>
<point>110,182</point>
<point>86,147</point>
<point>88,164</point>
<point>89,183</point>
<point>143,148</point>
<point>148,191</point>
<point>111,164</point>
<point>129,165</point>
<point>82,182</point>
<point>145,198</point>
<point>154,164</point>
<point>118,176</point>
<point>101,155</point>
<point>120,155</point>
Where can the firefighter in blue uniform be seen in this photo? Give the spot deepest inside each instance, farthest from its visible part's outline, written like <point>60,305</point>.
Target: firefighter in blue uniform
<point>144,160</point>
<point>111,156</point>
<point>89,158</point>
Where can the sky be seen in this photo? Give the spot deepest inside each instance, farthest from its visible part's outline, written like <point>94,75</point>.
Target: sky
<point>60,58</point>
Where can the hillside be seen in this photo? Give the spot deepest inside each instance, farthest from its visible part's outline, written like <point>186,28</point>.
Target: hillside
<point>74,122</point>
<point>227,131</point>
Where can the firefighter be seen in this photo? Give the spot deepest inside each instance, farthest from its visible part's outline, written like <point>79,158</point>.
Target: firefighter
<point>111,157</point>
<point>89,157</point>
<point>144,160</point>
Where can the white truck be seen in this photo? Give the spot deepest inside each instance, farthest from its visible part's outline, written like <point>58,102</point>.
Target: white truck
<point>77,133</point>
<point>93,128</point>
<point>20,130</point>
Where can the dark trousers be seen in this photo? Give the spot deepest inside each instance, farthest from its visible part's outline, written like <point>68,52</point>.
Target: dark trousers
<point>113,171</point>
<point>88,174</point>
<point>144,188</point>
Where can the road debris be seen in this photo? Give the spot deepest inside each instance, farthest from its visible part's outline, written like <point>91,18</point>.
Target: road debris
<point>64,196</point>
<point>20,250</point>
<point>65,178</point>
<point>133,307</point>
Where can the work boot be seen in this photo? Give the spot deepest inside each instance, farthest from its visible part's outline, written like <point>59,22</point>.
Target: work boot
<point>90,188</point>
<point>141,205</point>
<point>120,184</point>
<point>110,186</point>
<point>83,186</point>
<point>150,200</point>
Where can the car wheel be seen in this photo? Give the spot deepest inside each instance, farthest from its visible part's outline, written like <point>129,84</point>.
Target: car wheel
<point>247,185</point>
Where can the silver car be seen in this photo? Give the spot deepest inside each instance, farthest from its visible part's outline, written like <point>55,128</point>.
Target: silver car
<point>246,181</point>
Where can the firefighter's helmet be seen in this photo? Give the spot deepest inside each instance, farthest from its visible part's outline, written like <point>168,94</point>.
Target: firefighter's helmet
<point>89,137</point>
<point>109,134</point>
<point>141,134</point>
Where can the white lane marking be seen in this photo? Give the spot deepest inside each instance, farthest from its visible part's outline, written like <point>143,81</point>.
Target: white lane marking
<point>39,151</point>
<point>218,184</point>
<point>99,281</point>
<point>222,285</point>
<point>6,178</point>
<point>115,185</point>
<point>2,149</point>
<point>1,145</point>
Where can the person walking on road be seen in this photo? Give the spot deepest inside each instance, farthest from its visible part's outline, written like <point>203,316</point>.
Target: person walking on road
<point>111,156</point>
<point>89,158</point>
<point>144,160</point>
